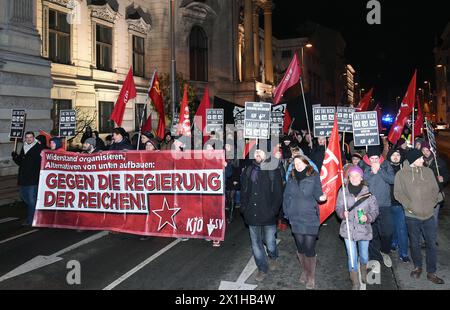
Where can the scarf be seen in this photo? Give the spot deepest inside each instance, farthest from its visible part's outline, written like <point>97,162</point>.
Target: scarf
<point>355,190</point>
<point>27,147</point>
<point>299,176</point>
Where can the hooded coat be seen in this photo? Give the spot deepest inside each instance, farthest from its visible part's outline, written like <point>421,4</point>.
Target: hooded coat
<point>380,183</point>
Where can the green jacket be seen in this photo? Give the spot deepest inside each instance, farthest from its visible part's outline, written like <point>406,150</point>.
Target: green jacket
<point>417,190</point>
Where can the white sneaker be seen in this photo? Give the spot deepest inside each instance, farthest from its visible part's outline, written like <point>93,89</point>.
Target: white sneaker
<point>183,239</point>
<point>386,260</point>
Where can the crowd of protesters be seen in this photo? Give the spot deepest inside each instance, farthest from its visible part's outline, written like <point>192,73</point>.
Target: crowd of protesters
<point>390,200</point>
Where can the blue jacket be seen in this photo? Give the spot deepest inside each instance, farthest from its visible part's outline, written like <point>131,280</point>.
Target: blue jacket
<point>380,183</point>
<point>289,169</point>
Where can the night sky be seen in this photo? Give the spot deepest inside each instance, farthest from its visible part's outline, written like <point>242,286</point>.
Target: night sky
<point>385,55</point>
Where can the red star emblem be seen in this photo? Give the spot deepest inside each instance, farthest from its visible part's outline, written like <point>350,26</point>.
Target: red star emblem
<point>166,215</point>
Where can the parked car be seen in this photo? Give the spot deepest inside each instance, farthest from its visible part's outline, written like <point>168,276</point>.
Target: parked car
<point>441,126</point>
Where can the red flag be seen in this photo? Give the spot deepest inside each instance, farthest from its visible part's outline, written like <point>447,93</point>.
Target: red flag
<point>291,77</point>
<point>380,116</point>
<point>365,102</point>
<point>404,112</point>
<point>418,125</point>
<point>248,146</point>
<point>287,122</point>
<point>184,126</point>
<point>147,127</point>
<point>155,95</point>
<point>200,116</point>
<point>127,93</point>
<point>331,174</point>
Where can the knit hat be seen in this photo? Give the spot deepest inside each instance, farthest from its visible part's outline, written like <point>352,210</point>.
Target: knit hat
<point>57,141</point>
<point>355,169</point>
<point>357,155</point>
<point>373,150</point>
<point>413,155</point>
<point>91,141</point>
<point>401,142</point>
<point>426,145</point>
<point>120,131</point>
<point>153,142</point>
<point>148,134</point>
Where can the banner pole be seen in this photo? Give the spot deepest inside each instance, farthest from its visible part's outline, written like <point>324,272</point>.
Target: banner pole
<point>343,142</point>
<point>304,104</point>
<point>346,220</point>
<point>15,145</point>
<point>413,125</point>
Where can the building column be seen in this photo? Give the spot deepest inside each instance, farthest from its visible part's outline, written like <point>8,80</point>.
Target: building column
<point>268,54</point>
<point>249,72</point>
<point>256,39</point>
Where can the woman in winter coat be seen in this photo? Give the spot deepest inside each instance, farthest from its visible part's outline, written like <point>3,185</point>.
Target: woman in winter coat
<point>300,205</point>
<point>362,210</point>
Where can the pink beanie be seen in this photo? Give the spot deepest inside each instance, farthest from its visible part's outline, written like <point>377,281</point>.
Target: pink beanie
<point>356,169</point>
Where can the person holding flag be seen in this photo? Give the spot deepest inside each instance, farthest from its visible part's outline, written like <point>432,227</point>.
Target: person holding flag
<point>361,211</point>
<point>300,206</point>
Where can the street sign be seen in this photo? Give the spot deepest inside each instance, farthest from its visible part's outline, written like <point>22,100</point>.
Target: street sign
<point>365,129</point>
<point>67,123</point>
<point>257,120</point>
<point>345,119</point>
<point>214,120</point>
<point>18,118</point>
<point>277,119</point>
<point>238,114</point>
<point>323,121</point>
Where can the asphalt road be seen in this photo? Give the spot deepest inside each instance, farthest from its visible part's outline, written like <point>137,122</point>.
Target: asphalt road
<point>42,259</point>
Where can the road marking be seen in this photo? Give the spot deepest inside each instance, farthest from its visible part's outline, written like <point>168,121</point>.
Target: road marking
<point>42,261</point>
<point>141,265</point>
<point>18,236</point>
<point>240,284</point>
<point>8,219</point>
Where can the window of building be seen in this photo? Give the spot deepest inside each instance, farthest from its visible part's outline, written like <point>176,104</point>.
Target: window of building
<point>198,51</point>
<point>58,105</point>
<point>138,56</point>
<point>286,54</point>
<point>58,37</point>
<point>138,116</point>
<point>104,47</point>
<point>105,109</point>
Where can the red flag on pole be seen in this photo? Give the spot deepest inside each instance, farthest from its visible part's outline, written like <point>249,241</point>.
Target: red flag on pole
<point>365,102</point>
<point>291,77</point>
<point>127,93</point>
<point>404,112</point>
<point>200,116</point>
<point>248,147</point>
<point>184,126</point>
<point>330,174</point>
<point>155,95</point>
<point>287,122</point>
<point>418,125</point>
<point>147,127</point>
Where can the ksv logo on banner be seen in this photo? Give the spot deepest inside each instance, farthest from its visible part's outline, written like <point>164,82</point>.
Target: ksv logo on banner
<point>18,118</point>
<point>257,120</point>
<point>323,121</point>
<point>67,123</point>
<point>365,129</point>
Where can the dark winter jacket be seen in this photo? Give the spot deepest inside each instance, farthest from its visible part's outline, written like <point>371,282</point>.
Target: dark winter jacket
<point>122,146</point>
<point>318,156</point>
<point>396,168</point>
<point>29,165</point>
<point>380,183</point>
<point>261,199</point>
<point>300,204</point>
<point>358,232</point>
<point>417,190</point>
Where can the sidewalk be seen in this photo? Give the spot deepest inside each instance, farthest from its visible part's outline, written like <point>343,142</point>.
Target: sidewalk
<point>9,191</point>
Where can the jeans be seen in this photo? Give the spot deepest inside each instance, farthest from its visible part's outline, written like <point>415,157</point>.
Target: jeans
<point>428,228</point>
<point>400,236</point>
<point>363,254</point>
<point>237,197</point>
<point>436,215</point>
<point>29,196</point>
<point>260,235</point>
<point>382,234</point>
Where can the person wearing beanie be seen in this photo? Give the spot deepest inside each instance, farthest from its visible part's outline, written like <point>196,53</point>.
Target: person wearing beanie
<point>145,137</point>
<point>400,233</point>
<point>359,200</point>
<point>418,143</point>
<point>318,152</point>
<point>151,145</point>
<point>417,190</point>
<point>379,176</point>
<point>120,140</point>
<point>166,144</point>
<point>440,170</point>
<point>89,146</point>
<point>55,144</point>
<point>356,159</point>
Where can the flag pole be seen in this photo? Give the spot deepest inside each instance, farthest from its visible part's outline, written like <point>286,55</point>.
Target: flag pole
<point>343,142</point>
<point>145,109</point>
<point>15,145</point>
<point>304,104</point>
<point>346,220</point>
<point>413,125</point>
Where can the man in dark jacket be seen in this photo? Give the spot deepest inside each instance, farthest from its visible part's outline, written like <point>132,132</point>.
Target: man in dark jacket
<point>400,232</point>
<point>379,175</point>
<point>120,141</point>
<point>261,196</point>
<point>318,153</point>
<point>29,162</point>
<point>440,170</point>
